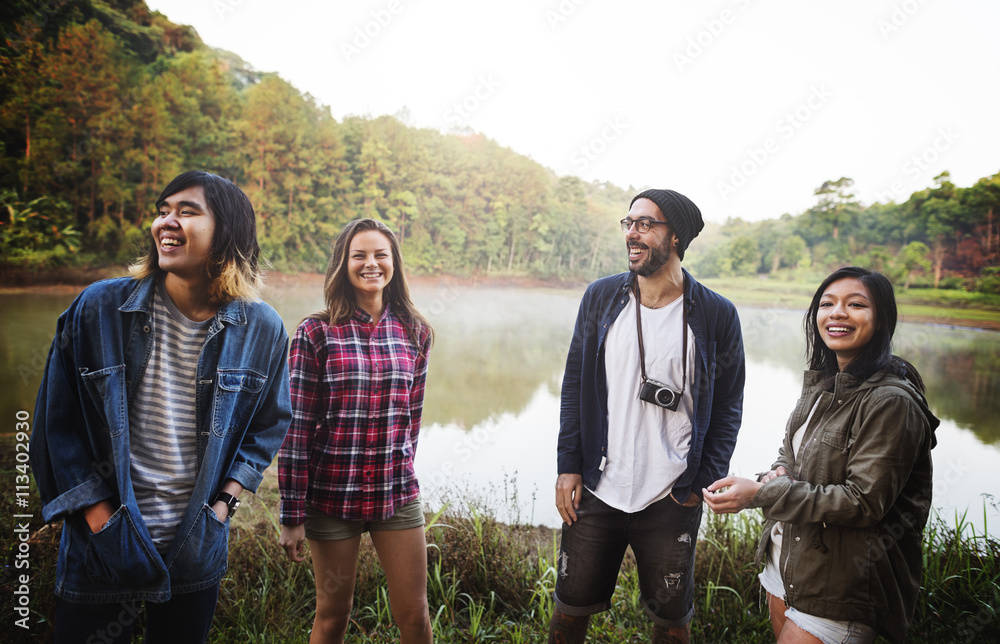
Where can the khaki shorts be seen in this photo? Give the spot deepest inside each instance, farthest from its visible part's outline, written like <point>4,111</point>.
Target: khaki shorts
<point>323,527</point>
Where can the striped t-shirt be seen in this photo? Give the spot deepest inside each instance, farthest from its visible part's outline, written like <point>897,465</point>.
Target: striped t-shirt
<point>162,425</point>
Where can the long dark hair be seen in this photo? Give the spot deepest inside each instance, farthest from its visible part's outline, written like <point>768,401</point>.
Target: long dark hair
<point>339,294</point>
<point>233,263</point>
<point>877,354</point>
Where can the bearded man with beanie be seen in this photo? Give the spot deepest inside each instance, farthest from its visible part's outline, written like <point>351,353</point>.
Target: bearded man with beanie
<point>652,401</point>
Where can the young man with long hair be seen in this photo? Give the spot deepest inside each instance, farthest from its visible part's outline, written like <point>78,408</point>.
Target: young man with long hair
<point>165,395</point>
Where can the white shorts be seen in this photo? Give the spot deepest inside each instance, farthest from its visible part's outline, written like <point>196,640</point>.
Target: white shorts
<point>829,631</point>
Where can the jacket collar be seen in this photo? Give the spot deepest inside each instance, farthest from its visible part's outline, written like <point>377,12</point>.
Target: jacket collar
<point>141,301</point>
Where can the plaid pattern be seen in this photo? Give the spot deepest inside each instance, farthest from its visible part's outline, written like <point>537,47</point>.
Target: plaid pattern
<point>357,396</point>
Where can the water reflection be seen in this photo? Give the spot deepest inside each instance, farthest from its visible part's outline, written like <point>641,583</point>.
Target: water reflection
<point>492,408</point>
<point>960,367</point>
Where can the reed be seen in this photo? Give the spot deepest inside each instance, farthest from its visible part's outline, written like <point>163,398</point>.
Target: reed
<point>492,581</point>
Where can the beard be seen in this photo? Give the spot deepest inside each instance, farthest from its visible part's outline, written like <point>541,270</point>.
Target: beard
<point>655,259</point>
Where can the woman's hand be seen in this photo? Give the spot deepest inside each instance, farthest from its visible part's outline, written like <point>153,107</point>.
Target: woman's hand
<point>738,496</point>
<point>293,540</point>
<point>773,474</point>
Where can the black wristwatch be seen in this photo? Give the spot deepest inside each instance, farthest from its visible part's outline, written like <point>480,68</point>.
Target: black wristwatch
<point>231,502</point>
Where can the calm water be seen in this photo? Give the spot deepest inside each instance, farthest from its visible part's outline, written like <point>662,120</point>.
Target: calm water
<point>492,410</point>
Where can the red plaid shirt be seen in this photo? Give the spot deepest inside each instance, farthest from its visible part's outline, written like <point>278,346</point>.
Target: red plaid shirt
<point>357,397</point>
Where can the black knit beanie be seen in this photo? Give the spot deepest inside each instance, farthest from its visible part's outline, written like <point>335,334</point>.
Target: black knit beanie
<point>681,213</point>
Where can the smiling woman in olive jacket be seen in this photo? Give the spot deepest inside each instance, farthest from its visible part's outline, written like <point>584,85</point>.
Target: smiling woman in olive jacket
<point>848,497</point>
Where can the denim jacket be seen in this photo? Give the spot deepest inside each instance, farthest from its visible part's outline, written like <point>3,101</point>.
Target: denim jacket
<point>80,443</point>
<point>717,390</point>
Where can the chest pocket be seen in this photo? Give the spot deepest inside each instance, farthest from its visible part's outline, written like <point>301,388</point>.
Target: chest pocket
<point>838,425</point>
<point>237,396</point>
<point>107,407</point>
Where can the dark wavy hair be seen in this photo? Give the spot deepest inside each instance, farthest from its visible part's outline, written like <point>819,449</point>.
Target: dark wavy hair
<point>877,354</point>
<point>339,294</point>
<point>233,263</point>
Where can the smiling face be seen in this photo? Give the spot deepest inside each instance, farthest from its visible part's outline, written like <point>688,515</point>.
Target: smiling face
<point>846,319</point>
<point>183,232</point>
<point>649,251</point>
<point>369,263</point>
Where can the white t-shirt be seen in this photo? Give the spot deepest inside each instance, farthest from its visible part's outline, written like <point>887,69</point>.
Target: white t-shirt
<point>771,576</point>
<point>647,444</point>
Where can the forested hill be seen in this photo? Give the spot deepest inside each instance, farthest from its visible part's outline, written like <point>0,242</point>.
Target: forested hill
<point>101,103</point>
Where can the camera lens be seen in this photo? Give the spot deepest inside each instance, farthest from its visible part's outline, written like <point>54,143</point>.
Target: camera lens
<point>665,397</point>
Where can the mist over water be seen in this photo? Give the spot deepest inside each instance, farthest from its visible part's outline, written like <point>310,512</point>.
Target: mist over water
<point>491,414</point>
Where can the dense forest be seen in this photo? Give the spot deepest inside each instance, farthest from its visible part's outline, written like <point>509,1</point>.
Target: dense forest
<point>101,103</point>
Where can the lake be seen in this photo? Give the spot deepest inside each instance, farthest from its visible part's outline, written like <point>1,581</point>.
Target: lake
<point>491,414</point>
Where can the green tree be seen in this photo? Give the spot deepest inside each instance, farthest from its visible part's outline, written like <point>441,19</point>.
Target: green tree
<point>913,257</point>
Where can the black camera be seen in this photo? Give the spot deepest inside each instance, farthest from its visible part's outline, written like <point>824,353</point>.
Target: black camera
<point>660,394</point>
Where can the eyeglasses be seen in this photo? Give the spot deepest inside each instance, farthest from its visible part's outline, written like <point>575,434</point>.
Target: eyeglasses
<point>642,224</point>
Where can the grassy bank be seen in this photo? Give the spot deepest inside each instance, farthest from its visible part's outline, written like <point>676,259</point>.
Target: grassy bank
<point>493,581</point>
<point>921,305</point>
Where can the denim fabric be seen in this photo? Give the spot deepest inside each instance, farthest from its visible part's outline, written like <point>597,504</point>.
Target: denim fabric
<point>831,631</point>
<point>718,384</point>
<point>185,618</point>
<point>80,442</point>
<point>663,537</point>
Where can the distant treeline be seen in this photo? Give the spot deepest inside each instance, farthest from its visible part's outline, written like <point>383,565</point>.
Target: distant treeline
<point>944,236</point>
<point>102,103</point>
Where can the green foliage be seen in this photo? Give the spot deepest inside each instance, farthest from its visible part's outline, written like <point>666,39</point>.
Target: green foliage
<point>490,581</point>
<point>39,233</point>
<point>989,281</point>
<point>104,104</point>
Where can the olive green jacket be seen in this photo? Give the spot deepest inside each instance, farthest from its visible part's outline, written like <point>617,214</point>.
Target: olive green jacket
<point>855,502</point>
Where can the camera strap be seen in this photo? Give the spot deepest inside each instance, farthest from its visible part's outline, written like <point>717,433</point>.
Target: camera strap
<point>684,335</point>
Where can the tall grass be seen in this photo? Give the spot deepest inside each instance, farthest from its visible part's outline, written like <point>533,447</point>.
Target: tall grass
<point>492,581</point>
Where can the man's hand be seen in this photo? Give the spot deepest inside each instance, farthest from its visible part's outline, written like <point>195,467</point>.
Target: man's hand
<point>98,515</point>
<point>293,539</point>
<point>739,495</point>
<point>691,501</point>
<point>569,487</point>
<point>219,507</point>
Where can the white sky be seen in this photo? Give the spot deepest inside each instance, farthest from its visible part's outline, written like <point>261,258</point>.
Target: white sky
<point>746,106</point>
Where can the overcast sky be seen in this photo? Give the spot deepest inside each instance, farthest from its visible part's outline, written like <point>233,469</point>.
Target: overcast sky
<point>746,106</point>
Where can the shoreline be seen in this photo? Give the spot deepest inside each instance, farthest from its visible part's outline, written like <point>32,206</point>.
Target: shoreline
<point>74,282</point>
